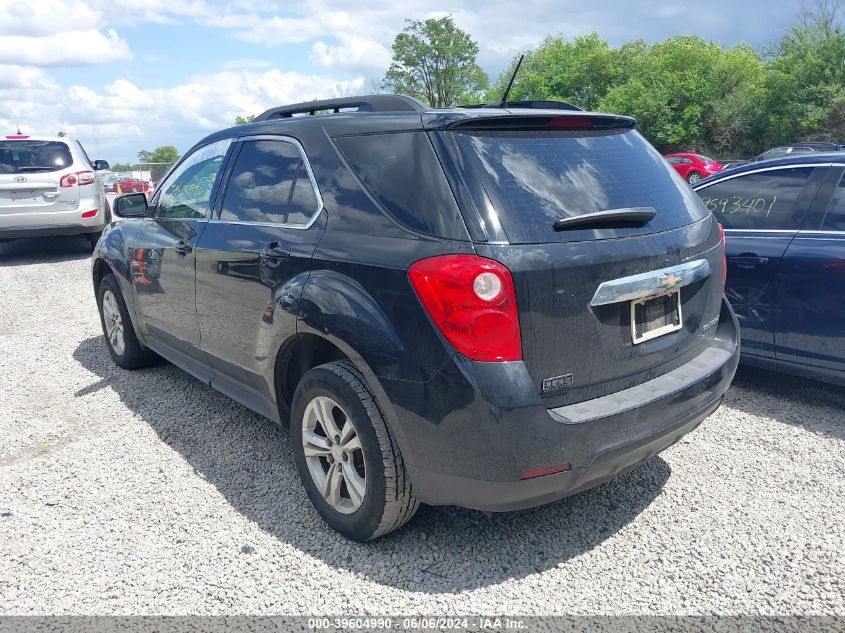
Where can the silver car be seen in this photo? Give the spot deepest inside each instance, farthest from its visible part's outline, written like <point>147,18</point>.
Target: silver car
<point>49,186</point>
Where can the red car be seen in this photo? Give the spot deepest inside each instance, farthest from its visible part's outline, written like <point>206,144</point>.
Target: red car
<point>132,185</point>
<point>693,167</point>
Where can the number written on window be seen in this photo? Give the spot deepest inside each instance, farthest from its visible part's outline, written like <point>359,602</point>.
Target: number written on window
<point>763,200</point>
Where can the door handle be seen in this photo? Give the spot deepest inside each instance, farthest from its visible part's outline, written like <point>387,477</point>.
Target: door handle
<point>183,248</point>
<point>274,251</point>
<point>748,261</point>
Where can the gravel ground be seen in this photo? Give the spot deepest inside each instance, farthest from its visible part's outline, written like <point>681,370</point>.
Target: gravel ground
<point>147,492</point>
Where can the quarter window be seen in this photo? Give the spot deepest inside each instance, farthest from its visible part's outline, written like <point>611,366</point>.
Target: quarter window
<point>835,218</point>
<point>269,183</point>
<point>763,200</point>
<point>403,173</point>
<point>186,192</point>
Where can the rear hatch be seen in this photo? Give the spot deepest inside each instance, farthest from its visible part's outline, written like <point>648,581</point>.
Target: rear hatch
<point>599,232</point>
<point>30,176</point>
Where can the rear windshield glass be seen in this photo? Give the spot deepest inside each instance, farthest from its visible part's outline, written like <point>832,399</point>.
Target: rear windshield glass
<point>534,178</point>
<point>20,157</point>
<point>403,173</point>
<point>705,159</point>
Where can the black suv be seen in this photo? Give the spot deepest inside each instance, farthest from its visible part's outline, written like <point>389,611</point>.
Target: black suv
<point>486,307</point>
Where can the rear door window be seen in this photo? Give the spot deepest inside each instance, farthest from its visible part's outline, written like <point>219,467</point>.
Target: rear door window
<point>834,220</point>
<point>534,178</point>
<point>402,172</point>
<point>26,157</point>
<point>763,200</point>
<point>262,179</point>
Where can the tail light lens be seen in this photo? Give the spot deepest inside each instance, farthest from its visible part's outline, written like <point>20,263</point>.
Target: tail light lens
<point>79,178</point>
<point>472,302</point>
<point>90,214</point>
<point>724,259</point>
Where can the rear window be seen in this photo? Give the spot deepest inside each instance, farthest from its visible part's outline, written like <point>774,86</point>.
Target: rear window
<point>705,159</point>
<point>403,174</point>
<point>534,178</point>
<point>21,157</point>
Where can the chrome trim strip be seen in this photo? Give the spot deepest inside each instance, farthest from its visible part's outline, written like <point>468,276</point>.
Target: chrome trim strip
<point>759,231</point>
<point>818,233</point>
<point>650,283</point>
<point>730,176</point>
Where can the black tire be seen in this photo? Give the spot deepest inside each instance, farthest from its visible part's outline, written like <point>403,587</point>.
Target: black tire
<point>133,355</point>
<point>389,501</point>
<point>693,177</point>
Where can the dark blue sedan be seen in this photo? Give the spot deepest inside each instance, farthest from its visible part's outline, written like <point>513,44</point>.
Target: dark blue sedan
<point>784,224</point>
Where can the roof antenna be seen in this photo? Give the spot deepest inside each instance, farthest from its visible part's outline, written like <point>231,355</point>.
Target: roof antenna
<point>19,129</point>
<point>504,100</point>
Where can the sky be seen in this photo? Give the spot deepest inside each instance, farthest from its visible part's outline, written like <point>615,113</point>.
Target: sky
<point>126,75</point>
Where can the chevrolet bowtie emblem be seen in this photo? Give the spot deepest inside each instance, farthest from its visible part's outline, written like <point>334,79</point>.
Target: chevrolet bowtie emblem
<point>669,280</point>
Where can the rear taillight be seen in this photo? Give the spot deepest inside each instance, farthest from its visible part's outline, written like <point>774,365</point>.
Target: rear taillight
<point>79,178</point>
<point>724,259</point>
<point>472,302</point>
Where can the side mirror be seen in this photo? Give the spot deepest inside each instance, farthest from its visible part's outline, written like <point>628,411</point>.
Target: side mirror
<point>100,165</point>
<point>133,205</point>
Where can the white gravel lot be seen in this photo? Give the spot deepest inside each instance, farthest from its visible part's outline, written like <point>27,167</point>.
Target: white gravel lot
<point>149,493</point>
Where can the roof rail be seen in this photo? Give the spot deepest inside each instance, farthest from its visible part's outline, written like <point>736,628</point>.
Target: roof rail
<point>366,103</point>
<point>533,105</point>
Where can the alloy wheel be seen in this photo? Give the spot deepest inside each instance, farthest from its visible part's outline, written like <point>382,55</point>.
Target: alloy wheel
<point>334,455</point>
<point>113,322</point>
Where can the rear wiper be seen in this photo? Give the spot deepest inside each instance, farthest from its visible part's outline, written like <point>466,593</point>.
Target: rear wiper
<point>619,218</point>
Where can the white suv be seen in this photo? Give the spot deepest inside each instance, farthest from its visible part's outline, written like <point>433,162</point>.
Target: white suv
<point>49,186</point>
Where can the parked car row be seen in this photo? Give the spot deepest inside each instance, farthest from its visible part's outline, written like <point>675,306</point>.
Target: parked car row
<point>402,286</point>
<point>127,184</point>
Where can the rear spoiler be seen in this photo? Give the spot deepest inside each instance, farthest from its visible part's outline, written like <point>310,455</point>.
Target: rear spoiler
<point>544,121</point>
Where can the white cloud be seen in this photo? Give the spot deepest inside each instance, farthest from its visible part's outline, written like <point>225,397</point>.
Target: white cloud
<point>353,53</point>
<point>242,64</point>
<point>14,77</point>
<point>68,48</point>
<point>121,118</point>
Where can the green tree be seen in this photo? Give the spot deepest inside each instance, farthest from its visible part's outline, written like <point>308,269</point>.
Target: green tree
<point>243,120</point>
<point>121,167</point>
<point>435,61</point>
<point>805,86</point>
<point>580,71</point>
<point>162,159</point>
<point>691,94</point>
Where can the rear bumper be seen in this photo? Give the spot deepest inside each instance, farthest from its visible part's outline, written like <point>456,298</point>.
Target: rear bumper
<point>12,233</point>
<point>37,222</point>
<point>599,438</point>
<point>504,496</point>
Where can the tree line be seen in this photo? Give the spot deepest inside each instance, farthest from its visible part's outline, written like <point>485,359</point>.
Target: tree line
<point>685,92</point>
